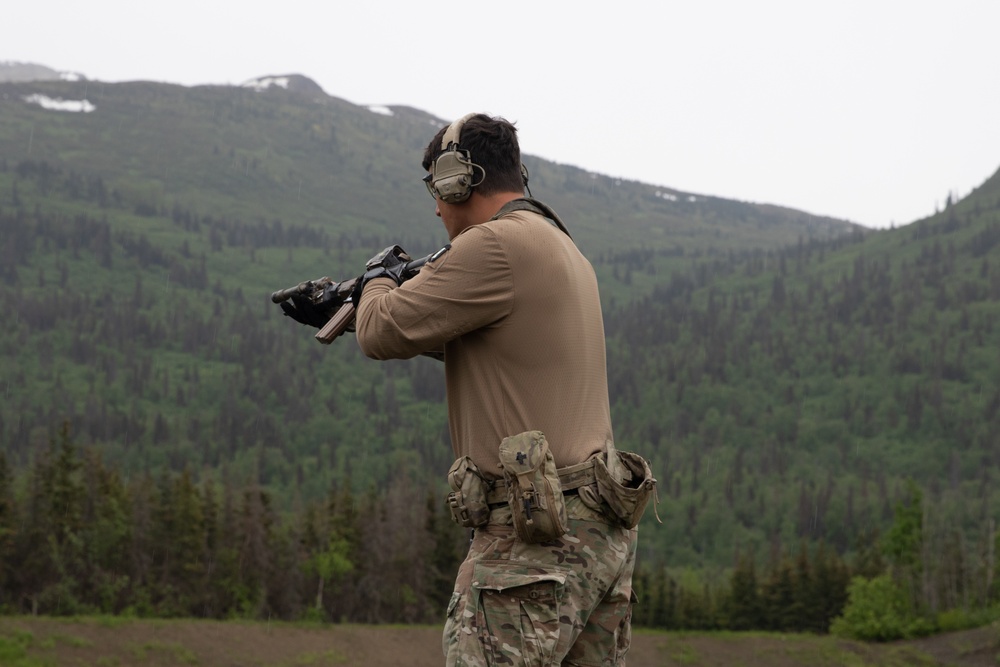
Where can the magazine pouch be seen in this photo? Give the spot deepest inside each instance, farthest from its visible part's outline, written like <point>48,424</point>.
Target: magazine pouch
<point>467,500</point>
<point>533,489</point>
<point>625,483</point>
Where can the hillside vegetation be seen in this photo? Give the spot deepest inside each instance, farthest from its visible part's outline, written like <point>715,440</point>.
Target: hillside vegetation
<point>140,242</point>
<point>787,375</point>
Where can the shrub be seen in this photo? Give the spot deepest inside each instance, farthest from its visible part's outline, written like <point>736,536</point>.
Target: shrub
<point>879,609</point>
<point>963,619</point>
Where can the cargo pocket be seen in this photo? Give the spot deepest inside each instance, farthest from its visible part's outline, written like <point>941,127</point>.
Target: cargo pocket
<point>519,612</point>
<point>449,638</point>
<point>623,636</point>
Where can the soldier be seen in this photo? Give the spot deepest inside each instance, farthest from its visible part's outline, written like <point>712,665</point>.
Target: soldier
<point>514,308</point>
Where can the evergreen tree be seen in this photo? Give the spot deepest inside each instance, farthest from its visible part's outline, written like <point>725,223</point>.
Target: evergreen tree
<point>231,594</point>
<point>8,523</point>
<point>445,556</point>
<point>782,608</point>
<point>210,603</point>
<point>830,581</point>
<point>142,545</point>
<point>904,541</point>
<point>744,610</point>
<point>181,542</point>
<point>106,536</point>
<point>807,606</point>
<point>344,526</point>
<point>50,549</point>
<point>255,526</point>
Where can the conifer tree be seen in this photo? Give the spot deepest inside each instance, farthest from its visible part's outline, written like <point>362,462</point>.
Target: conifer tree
<point>51,553</point>
<point>210,604</point>
<point>106,536</point>
<point>904,541</point>
<point>661,599</point>
<point>141,492</point>
<point>744,608</point>
<point>344,524</point>
<point>182,544</point>
<point>255,529</point>
<point>8,522</point>
<point>781,608</point>
<point>807,607</point>
<point>830,580</point>
<point>230,594</point>
<point>445,556</point>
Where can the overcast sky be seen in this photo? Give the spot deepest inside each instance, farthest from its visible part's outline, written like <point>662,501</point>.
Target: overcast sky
<point>868,110</point>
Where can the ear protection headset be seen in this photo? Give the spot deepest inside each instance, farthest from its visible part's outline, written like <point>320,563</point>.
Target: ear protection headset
<point>453,173</point>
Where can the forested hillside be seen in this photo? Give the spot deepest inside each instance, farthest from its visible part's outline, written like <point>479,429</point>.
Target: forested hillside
<point>141,239</point>
<point>788,396</point>
<point>784,373</point>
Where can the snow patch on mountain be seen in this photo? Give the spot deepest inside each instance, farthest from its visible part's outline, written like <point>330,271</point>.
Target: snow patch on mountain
<point>56,104</point>
<point>265,82</point>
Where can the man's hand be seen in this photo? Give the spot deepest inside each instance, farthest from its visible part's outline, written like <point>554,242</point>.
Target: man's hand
<point>390,263</point>
<point>316,305</point>
<point>302,309</point>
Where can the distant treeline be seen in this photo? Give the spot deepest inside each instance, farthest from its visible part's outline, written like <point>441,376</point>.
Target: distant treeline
<point>77,538</point>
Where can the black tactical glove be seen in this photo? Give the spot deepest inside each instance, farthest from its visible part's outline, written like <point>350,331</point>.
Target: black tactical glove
<point>313,309</point>
<point>390,263</point>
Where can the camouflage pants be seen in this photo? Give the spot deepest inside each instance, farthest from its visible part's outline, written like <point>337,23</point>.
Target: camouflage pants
<point>565,602</point>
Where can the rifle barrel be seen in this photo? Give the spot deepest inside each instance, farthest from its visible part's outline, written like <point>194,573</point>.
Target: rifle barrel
<point>288,293</point>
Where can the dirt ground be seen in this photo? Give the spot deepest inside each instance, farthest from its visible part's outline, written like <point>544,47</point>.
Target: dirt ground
<point>115,642</point>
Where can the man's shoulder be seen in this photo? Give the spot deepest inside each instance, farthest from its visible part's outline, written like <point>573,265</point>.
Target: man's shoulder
<point>534,206</point>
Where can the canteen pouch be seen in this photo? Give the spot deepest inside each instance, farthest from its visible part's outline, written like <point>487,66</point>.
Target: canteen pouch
<point>625,483</point>
<point>467,500</point>
<point>533,489</point>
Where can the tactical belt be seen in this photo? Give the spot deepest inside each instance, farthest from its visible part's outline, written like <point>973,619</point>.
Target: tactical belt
<point>571,478</point>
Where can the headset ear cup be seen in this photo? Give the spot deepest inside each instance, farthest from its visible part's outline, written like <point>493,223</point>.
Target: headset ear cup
<point>454,171</point>
<point>454,176</point>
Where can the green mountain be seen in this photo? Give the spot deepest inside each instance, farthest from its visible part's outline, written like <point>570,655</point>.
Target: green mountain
<point>789,396</point>
<point>784,372</point>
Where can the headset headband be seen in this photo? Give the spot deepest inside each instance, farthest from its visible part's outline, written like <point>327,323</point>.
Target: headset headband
<point>453,135</point>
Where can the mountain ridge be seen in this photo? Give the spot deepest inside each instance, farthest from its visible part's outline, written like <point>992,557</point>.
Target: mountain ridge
<point>417,121</point>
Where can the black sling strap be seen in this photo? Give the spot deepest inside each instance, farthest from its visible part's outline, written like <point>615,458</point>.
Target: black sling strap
<point>535,206</point>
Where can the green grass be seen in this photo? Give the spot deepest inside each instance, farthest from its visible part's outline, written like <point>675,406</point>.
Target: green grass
<point>171,650</point>
<point>15,648</point>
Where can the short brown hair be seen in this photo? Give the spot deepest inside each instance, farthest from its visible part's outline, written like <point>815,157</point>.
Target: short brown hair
<point>492,144</point>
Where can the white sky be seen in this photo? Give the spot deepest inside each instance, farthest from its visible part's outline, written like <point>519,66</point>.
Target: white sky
<point>869,110</point>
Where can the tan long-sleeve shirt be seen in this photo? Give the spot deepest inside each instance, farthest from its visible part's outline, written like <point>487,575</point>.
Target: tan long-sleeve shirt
<point>515,306</point>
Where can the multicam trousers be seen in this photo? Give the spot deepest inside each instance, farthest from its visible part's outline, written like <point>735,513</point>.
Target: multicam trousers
<point>566,602</point>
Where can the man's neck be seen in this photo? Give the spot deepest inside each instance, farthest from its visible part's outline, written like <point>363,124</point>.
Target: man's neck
<point>485,207</point>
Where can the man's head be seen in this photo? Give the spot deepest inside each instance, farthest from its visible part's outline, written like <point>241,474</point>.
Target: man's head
<point>474,167</point>
<point>491,149</point>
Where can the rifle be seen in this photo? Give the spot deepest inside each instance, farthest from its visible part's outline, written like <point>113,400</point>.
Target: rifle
<point>338,298</point>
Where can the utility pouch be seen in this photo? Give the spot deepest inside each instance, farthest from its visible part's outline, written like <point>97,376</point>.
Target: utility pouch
<point>467,500</point>
<point>533,489</point>
<point>625,483</point>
